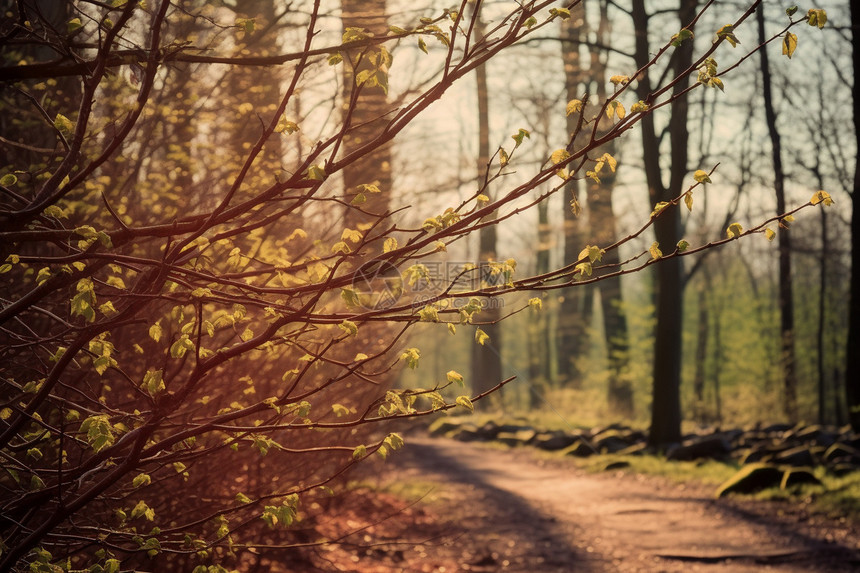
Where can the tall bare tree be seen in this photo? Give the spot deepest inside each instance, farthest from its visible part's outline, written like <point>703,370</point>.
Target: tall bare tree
<point>486,357</point>
<point>603,232</point>
<point>852,366</point>
<point>576,304</point>
<point>785,298</point>
<point>365,105</point>
<point>669,283</point>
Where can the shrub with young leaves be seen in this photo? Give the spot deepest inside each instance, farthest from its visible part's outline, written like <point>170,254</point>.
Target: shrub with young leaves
<point>186,354</point>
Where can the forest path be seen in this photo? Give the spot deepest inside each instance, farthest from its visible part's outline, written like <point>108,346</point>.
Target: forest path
<point>510,510</point>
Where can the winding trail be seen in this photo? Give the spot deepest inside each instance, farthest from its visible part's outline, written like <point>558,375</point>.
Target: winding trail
<point>510,510</point>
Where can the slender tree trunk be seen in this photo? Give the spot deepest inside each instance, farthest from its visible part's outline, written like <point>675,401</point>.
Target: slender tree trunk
<point>540,337</point>
<point>367,117</point>
<point>702,332</point>
<point>822,320</point>
<point>785,299</point>
<point>486,358</point>
<point>852,366</point>
<point>718,359</point>
<point>602,221</point>
<point>575,308</point>
<point>666,401</point>
<point>821,326</point>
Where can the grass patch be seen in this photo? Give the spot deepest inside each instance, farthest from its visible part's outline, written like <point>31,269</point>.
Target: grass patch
<point>837,496</point>
<point>707,472</point>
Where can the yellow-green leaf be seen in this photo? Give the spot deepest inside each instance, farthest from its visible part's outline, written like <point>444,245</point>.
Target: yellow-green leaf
<point>702,176</point>
<point>789,44</point>
<point>394,441</point>
<point>821,197</point>
<point>734,230</point>
<point>727,32</point>
<point>316,173</point>
<point>465,402</point>
<point>593,252</point>
<point>481,337</point>
<point>350,297</point>
<point>141,479</point>
<point>659,207</point>
<point>519,135</point>
<point>606,157</point>
<point>286,126</point>
<point>639,106</point>
<point>411,356</point>
<point>559,155</point>
<point>615,107</point>
<point>429,314</point>
<point>816,17</point>
<point>585,269</point>
<point>153,382</point>
<point>655,251</point>
<point>573,106</point>
<point>678,39</point>
<point>349,327</point>
<point>64,125</point>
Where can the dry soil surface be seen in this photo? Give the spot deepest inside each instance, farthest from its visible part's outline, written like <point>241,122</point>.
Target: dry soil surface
<point>511,510</point>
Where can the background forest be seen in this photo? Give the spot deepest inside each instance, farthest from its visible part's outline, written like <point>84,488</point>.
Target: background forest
<point>590,358</point>
<point>241,240</point>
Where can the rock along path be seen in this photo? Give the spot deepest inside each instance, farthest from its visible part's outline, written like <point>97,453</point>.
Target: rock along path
<point>510,510</point>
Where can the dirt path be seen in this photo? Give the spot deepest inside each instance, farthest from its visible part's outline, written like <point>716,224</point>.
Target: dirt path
<point>511,511</point>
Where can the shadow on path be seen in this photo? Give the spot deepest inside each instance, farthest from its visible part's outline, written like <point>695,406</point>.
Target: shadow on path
<point>496,528</point>
<point>516,512</point>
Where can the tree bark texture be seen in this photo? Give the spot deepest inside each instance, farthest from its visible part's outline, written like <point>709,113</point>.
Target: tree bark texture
<point>576,303</point>
<point>366,111</point>
<point>486,358</point>
<point>785,298</point>
<point>666,399</point>
<point>852,366</point>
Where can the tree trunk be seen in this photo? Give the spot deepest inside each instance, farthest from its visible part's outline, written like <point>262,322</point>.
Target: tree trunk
<point>575,308</point>
<point>666,398</point>
<point>702,331</point>
<point>786,305</point>
<point>540,337</point>
<point>822,321</point>
<point>366,118</point>
<point>486,358</point>
<point>852,366</point>
<point>603,233</point>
